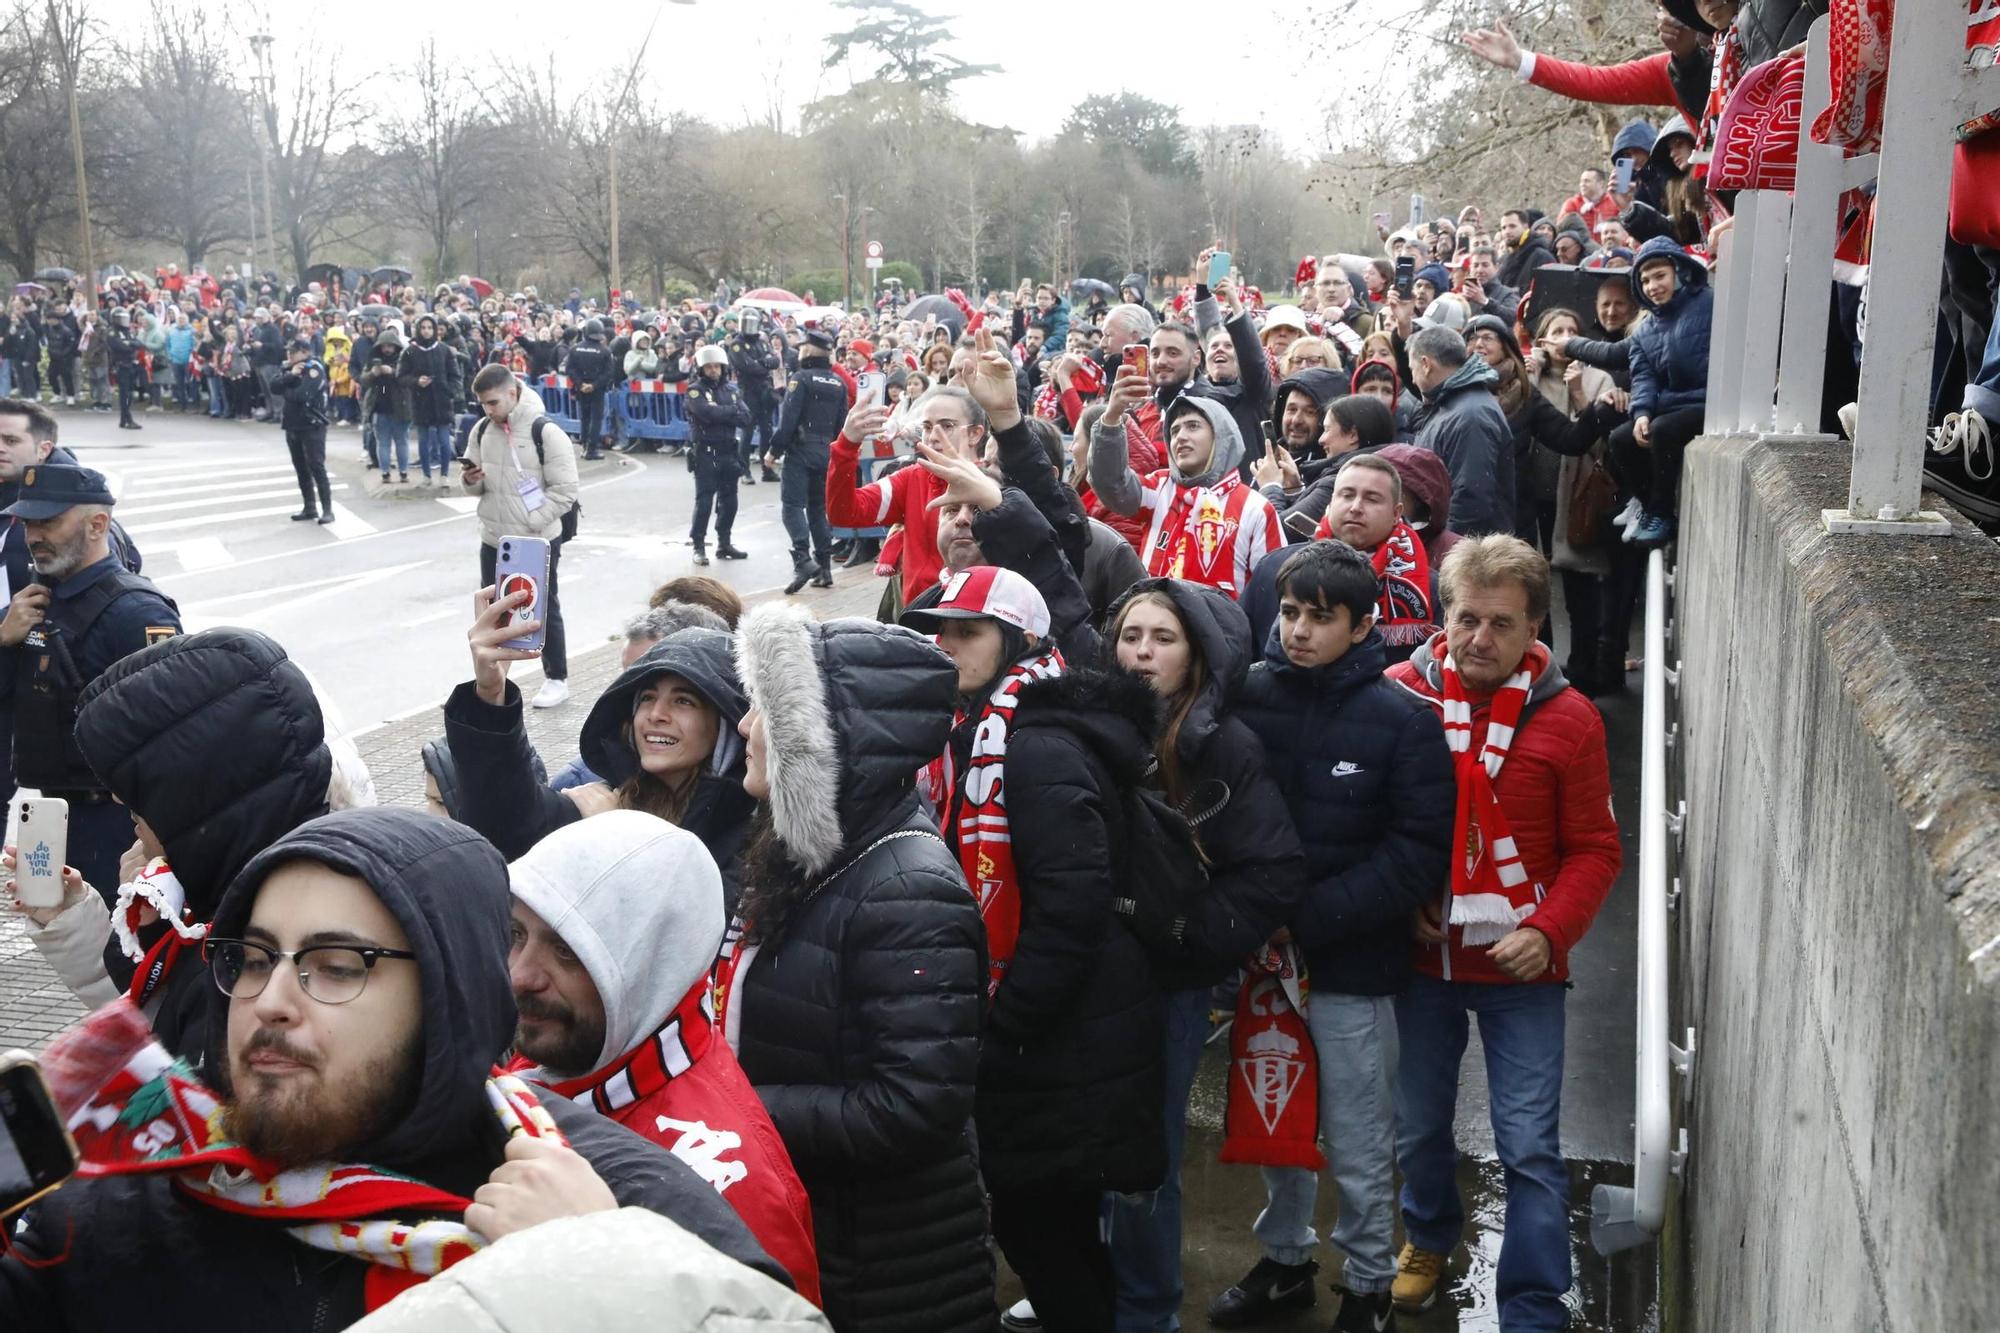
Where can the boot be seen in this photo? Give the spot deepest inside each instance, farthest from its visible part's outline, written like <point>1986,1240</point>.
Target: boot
<point>727,552</point>
<point>768,474</point>
<point>824,577</point>
<point>866,551</point>
<point>700,554</point>
<point>803,571</point>
<point>305,515</point>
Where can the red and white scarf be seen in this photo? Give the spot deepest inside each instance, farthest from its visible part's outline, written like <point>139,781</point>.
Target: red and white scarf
<point>977,811</point>
<point>653,1063</point>
<point>1403,608</point>
<point>154,1115</point>
<point>1491,893</point>
<point>154,895</point>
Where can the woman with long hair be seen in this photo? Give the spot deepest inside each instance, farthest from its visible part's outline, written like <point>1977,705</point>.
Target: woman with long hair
<point>1543,433</point>
<point>1191,644</point>
<point>852,986</point>
<point>1069,1072</point>
<point>661,739</point>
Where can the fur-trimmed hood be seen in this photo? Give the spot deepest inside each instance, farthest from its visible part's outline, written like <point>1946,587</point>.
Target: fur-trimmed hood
<point>1116,714</point>
<point>852,710</point>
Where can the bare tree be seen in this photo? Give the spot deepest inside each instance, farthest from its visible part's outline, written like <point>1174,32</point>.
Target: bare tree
<point>37,172</point>
<point>437,151</point>
<point>176,180</point>
<point>315,186</point>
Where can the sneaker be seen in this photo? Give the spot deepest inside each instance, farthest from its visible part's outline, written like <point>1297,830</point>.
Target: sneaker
<point>1374,1313</point>
<point>1849,414</point>
<point>1972,434</point>
<point>1266,1290</point>
<point>1653,530</point>
<point>1020,1318</point>
<point>552,693</point>
<point>1419,1273</point>
<point>728,552</point>
<point>1628,516</point>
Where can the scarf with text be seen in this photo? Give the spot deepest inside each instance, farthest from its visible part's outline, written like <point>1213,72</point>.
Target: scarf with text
<point>977,810</point>
<point>654,1062</point>
<point>155,1115</point>
<point>1272,1115</point>
<point>1491,893</point>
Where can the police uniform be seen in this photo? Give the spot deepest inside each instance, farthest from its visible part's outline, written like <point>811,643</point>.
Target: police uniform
<point>95,616</point>
<point>715,411</point>
<point>302,387</point>
<point>815,410</point>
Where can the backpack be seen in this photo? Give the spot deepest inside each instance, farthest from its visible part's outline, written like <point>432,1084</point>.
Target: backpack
<point>1164,873</point>
<point>575,511</point>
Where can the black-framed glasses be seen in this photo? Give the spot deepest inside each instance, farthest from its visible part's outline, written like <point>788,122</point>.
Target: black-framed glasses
<point>329,973</point>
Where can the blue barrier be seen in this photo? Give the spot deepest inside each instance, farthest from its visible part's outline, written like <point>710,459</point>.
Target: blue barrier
<point>654,416</point>
<point>559,403</point>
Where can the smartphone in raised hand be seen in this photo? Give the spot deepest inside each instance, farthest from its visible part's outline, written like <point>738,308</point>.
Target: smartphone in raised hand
<point>523,566</point>
<point>1218,268</point>
<point>36,1151</point>
<point>40,850</point>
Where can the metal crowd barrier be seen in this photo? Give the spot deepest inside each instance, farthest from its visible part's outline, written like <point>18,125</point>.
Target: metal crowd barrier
<point>652,410</point>
<point>559,403</point>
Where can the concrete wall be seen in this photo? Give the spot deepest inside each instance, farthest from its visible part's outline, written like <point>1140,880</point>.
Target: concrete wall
<point>1840,930</point>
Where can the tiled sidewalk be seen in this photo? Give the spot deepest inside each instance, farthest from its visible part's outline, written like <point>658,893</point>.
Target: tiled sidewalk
<point>34,1006</point>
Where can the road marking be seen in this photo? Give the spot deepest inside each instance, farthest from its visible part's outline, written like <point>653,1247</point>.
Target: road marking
<point>247,478</point>
<point>182,506</point>
<point>195,552</point>
<point>460,504</point>
<point>347,523</point>
<point>175,524</point>
<point>322,589</point>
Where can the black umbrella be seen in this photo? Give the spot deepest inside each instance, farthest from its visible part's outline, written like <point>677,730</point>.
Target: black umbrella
<point>1086,287</point>
<point>56,275</point>
<point>947,314</point>
<point>389,273</point>
<point>323,274</point>
<point>379,311</point>
<point>1571,288</point>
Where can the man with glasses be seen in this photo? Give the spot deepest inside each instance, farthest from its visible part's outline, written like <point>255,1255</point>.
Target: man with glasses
<point>953,423</point>
<point>361,999</point>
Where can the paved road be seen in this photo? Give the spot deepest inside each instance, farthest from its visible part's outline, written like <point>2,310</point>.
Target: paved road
<point>375,604</point>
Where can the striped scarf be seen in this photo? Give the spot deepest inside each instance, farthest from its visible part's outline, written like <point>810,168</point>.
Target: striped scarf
<point>977,807</point>
<point>654,1062</point>
<point>1491,893</point>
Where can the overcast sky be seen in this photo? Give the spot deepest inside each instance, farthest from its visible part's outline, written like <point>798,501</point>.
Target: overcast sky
<point>722,58</point>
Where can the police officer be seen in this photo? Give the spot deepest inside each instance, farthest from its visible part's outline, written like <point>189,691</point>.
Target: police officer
<point>301,387</point>
<point>754,362</point>
<point>715,411</point>
<point>84,612</point>
<point>815,407</point>
<point>590,375</point>
<point>123,350</point>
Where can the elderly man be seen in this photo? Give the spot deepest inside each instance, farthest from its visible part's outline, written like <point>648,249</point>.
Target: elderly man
<point>1461,422</point>
<point>1538,854</point>
<point>361,998</point>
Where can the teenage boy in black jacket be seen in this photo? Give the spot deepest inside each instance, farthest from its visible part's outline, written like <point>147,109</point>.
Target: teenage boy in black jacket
<point>1369,783</point>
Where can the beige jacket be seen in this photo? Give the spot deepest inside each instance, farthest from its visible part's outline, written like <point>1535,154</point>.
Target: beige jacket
<point>505,456</point>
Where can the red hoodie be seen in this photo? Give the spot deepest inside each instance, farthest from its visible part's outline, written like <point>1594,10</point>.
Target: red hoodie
<point>1555,789</point>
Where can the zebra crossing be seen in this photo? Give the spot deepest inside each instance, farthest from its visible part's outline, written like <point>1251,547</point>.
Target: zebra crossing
<point>186,515</point>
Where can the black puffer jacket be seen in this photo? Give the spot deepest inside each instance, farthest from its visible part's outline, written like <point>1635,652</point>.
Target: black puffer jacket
<point>860,1018</point>
<point>1256,868</point>
<point>1368,780</point>
<point>226,704</point>
<point>430,404</point>
<point>1069,1076</point>
<point>503,790</point>
<point>141,1252</point>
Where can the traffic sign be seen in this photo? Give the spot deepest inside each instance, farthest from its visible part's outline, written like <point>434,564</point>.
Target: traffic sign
<point>874,252</point>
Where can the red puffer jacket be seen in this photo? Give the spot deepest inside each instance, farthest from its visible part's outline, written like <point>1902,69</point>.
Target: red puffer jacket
<point>1556,791</point>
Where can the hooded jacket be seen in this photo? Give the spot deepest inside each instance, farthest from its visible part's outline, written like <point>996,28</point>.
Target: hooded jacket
<point>140,1251</point>
<point>1461,422</point>
<point>505,456</point>
<point>1070,1069</point>
<point>1248,396</point>
<point>430,404</point>
<point>1255,869</point>
<point>1322,386</point>
<point>1521,261</point>
<point>639,904</point>
<point>1669,352</point>
<point>1555,790</point>
<point>1209,528</point>
<point>1367,778</point>
<point>859,1021</point>
<point>624,1271</point>
<point>502,794</point>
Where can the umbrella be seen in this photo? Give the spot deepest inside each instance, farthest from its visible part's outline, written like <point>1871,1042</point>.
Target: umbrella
<point>1085,287</point>
<point>947,313</point>
<point>778,294</point>
<point>56,275</point>
<point>30,289</point>
<point>481,288</point>
<point>1570,287</point>
<point>323,274</point>
<point>389,273</point>
<point>379,311</point>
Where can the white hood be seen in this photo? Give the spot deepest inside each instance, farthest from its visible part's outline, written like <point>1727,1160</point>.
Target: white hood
<point>639,902</point>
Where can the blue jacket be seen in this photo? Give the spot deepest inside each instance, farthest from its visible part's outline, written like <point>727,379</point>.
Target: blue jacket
<point>1669,352</point>
<point>1368,780</point>
<point>1461,422</point>
<point>180,344</point>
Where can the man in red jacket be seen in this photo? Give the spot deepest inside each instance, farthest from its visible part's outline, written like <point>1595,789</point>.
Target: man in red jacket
<point>1536,852</point>
<point>951,421</point>
<point>616,923</point>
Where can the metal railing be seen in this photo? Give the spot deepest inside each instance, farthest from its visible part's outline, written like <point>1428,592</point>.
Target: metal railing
<point>1774,271</point>
<point>1621,1218</point>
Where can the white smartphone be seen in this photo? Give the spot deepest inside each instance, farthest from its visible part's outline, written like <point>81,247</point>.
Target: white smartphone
<point>41,850</point>
<point>871,388</point>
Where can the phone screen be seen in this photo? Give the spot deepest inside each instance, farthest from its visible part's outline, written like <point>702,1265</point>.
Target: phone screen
<point>1406,275</point>
<point>35,1151</point>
